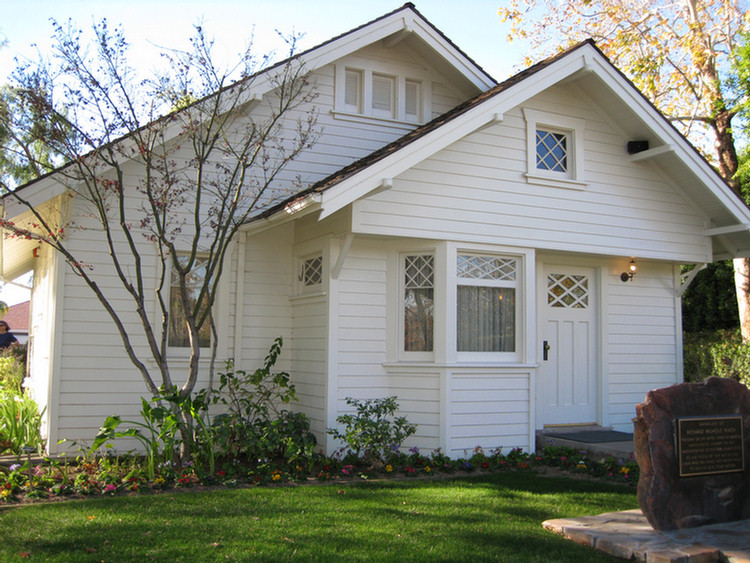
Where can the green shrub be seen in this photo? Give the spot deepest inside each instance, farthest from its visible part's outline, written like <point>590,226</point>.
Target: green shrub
<point>20,419</point>
<point>719,354</point>
<point>255,426</point>
<point>373,432</point>
<point>20,423</point>
<point>12,368</point>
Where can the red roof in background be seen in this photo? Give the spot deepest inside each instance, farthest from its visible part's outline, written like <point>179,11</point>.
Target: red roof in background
<point>17,316</point>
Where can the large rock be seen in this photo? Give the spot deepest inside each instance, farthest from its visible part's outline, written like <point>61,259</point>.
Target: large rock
<point>669,501</point>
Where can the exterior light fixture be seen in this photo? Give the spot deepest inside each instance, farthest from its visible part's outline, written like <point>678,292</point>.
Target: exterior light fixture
<point>632,270</point>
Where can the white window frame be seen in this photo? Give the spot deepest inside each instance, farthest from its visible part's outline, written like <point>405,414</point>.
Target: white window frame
<point>401,75</point>
<point>574,130</point>
<point>301,286</point>
<point>174,349</point>
<point>402,352</point>
<point>518,285</point>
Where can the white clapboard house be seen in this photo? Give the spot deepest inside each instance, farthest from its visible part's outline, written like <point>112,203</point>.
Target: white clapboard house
<point>461,244</point>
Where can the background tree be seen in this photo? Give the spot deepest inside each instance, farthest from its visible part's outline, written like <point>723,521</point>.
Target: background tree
<point>202,168</point>
<point>678,52</point>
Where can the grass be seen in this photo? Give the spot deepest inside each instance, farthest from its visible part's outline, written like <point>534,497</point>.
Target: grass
<point>489,518</point>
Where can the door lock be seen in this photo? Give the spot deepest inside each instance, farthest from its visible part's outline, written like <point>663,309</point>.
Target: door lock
<point>546,347</point>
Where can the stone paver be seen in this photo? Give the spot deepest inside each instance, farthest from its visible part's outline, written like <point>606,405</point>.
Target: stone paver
<point>628,535</point>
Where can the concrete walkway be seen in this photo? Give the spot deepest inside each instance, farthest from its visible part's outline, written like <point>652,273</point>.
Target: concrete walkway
<point>628,535</point>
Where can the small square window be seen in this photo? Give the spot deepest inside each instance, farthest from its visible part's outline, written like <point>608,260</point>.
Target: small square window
<point>551,151</point>
<point>554,149</point>
<point>312,271</point>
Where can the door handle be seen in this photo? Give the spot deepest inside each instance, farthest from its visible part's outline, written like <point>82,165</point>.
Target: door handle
<point>546,348</point>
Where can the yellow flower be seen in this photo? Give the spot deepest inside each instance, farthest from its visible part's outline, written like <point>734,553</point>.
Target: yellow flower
<point>5,493</point>
<point>427,469</point>
<point>624,470</point>
<point>276,476</point>
<point>159,481</point>
<point>389,468</point>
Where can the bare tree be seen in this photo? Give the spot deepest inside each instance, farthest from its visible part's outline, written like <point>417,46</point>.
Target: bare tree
<point>168,167</point>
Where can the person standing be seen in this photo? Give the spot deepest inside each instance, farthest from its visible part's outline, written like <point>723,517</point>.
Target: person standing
<point>6,338</point>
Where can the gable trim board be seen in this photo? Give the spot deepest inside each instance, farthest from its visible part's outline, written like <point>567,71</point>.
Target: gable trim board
<point>460,183</point>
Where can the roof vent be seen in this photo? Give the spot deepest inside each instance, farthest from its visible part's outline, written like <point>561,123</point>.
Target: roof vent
<point>634,147</point>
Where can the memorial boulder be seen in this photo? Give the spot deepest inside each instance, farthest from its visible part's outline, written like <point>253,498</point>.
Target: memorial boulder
<point>692,445</point>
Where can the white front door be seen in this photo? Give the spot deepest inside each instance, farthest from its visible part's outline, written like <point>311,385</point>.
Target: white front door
<point>567,383</point>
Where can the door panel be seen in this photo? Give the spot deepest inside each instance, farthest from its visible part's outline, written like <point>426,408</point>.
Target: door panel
<point>567,384</point>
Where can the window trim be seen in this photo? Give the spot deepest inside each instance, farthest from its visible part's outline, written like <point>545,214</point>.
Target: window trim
<point>518,285</point>
<point>303,289</point>
<point>172,348</point>
<point>574,129</point>
<point>401,76</point>
<point>445,320</point>
<point>402,352</point>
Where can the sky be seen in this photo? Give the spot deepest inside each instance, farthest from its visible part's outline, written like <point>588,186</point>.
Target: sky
<point>473,25</point>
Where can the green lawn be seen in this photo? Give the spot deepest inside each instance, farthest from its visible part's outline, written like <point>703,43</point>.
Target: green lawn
<point>486,518</point>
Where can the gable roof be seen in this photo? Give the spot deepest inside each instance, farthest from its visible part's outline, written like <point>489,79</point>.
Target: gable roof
<point>17,316</point>
<point>727,214</point>
<point>404,23</point>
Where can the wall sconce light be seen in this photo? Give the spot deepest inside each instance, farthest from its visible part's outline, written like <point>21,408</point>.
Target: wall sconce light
<point>632,270</point>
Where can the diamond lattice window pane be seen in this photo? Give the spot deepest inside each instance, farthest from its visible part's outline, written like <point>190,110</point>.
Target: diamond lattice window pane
<point>568,291</point>
<point>312,271</point>
<point>551,151</point>
<point>486,267</point>
<point>419,272</point>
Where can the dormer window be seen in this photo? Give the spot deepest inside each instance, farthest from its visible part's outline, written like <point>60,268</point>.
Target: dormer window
<point>367,92</point>
<point>554,145</point>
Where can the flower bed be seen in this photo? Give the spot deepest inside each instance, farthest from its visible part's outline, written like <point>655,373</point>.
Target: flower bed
<point>110,476</point>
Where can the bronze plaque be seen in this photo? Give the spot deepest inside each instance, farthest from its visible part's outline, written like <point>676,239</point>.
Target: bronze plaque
<point>708,445</point>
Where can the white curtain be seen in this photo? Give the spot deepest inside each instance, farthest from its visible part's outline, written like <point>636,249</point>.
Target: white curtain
<point>486,319</point>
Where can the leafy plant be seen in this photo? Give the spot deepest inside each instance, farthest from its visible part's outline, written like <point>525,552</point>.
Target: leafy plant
<point>719,354</point>
<point>254,425</point>
<point>20,423</point>
<point>12,368</point>
<point>373,431</point>
<point>157,433</point>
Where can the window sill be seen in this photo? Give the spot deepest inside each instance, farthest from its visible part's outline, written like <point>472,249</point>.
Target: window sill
<point>313,296</point>
<point>565,183</point>
<point>458,365</point>
<point>406,126</point>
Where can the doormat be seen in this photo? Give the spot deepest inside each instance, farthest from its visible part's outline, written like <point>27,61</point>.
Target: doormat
<point>592,436</point>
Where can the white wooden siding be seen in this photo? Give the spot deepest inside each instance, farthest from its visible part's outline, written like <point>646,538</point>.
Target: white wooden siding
<point>309,367</point>
<point>642,339</point>
<point>489,408</point>
<point>475,190</point>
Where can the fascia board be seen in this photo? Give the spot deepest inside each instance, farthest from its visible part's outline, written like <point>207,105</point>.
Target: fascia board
<point>35,194</point>
<point>376,31</point>
<point>370,178</point>
<point>327,53</point>
<point>445,50</point>
<point>664,131</point>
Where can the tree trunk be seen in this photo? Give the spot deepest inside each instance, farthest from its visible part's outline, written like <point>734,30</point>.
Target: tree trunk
<point>742,285</point>
<point>728,164</point>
